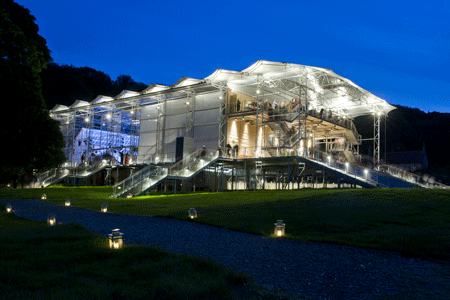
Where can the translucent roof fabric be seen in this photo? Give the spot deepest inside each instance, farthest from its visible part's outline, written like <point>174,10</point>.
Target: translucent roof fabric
<point>126,94</point>
<point>101,99</point>
<point>282,81</point>
<point>321,88</point>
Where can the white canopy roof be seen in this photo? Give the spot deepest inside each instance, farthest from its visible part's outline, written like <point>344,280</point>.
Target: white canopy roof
<point>321,88</point>
<point>282,81</point>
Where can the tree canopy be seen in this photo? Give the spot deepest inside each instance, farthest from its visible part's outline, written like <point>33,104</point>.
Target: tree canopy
<point>31,139</point>
<point>63,84</point>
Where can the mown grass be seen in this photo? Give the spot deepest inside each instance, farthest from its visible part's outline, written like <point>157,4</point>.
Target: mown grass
<point>69,262</point>
<point>414,222</point>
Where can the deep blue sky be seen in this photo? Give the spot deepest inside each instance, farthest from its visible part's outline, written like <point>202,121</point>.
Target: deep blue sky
<point>398,50</point>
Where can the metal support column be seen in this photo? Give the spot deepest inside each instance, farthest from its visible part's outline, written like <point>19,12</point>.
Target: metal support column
<point>160,129</point>
<point>223,120</point>
<point>376,139</point>
<point>190,114</point>
<point>302,116</point>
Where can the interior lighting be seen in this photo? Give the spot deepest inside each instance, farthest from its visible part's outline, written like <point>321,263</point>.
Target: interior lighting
<point>108,116</point>
<point>86,119</point>
<point>44,197</point>
<point>67,203</point>
<point>51,220</point>
<point>192,213</point>
<point>104,207</point>
<point>258,91</point>
<point>8,208</point>
<point>187,103</point>
<point>279,228</point>
<point>379,113</point>
<point>115,239</point>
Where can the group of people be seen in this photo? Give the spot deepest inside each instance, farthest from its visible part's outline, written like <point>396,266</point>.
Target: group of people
<point>232,151</point>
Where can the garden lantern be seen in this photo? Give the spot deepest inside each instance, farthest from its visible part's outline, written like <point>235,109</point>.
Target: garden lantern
<point>279,228</point>
<point>192,213</point>
<point>104,207</point>
<point>115,239</point>
<point>51,220</point>
<point>44,197</point>
<point>8,208</point>
<point>68,202</point>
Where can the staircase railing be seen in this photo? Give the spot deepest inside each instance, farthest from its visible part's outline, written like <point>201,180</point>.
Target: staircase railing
<point>151,175</point>
<point>424,181</point>
<point>347,168</point>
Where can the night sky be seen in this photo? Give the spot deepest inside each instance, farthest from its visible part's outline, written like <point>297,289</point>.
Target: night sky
<point>398,50</point>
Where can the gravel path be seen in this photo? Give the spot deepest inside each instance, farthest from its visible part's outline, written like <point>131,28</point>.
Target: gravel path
<point>305,269</point>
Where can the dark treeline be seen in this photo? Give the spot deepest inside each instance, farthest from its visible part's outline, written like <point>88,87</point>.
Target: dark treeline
<point>63,84</point>
<point>408,129</point>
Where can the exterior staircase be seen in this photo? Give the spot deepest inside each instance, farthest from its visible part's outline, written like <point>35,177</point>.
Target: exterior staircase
<point>150,176</point>
<point>56,175</point>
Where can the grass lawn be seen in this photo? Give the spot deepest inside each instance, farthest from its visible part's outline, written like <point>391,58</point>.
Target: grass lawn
<point>69,262</point>
<point>414,222</point>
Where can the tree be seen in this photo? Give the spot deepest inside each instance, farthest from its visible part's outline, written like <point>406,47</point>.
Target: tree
<point>30,138</point>
<point>125,82</point>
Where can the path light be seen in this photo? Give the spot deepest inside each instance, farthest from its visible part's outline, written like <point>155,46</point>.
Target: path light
<point>279,228</point>
<point>192,213</point>
<point>51,220</point>
<point>44,197</point>
<point>104,207</point>
<point>115,239</point>
<point>8,208</point>
<point>67,202</point>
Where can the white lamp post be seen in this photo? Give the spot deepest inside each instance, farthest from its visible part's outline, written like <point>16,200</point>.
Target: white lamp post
<point>104,207</point>
<point>279,228</point>
<point>44,197</point>
<point>51,220</point>
<point>346,167</point>
<point>366,172</point>
<point>67,202</point>
<point>116,239</point>
<point>192,213</point>
<point>8,208</point>
<point>329,160</point>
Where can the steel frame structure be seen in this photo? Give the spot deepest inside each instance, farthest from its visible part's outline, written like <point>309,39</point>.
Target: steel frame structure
<point>316,107</point>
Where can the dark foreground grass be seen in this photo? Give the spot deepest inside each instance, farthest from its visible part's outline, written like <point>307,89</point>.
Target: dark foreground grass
<point>414,222</point>
<point>69,262</point>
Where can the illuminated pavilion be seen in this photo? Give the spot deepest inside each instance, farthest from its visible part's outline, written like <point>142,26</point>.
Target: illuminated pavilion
<point>270,126</point>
